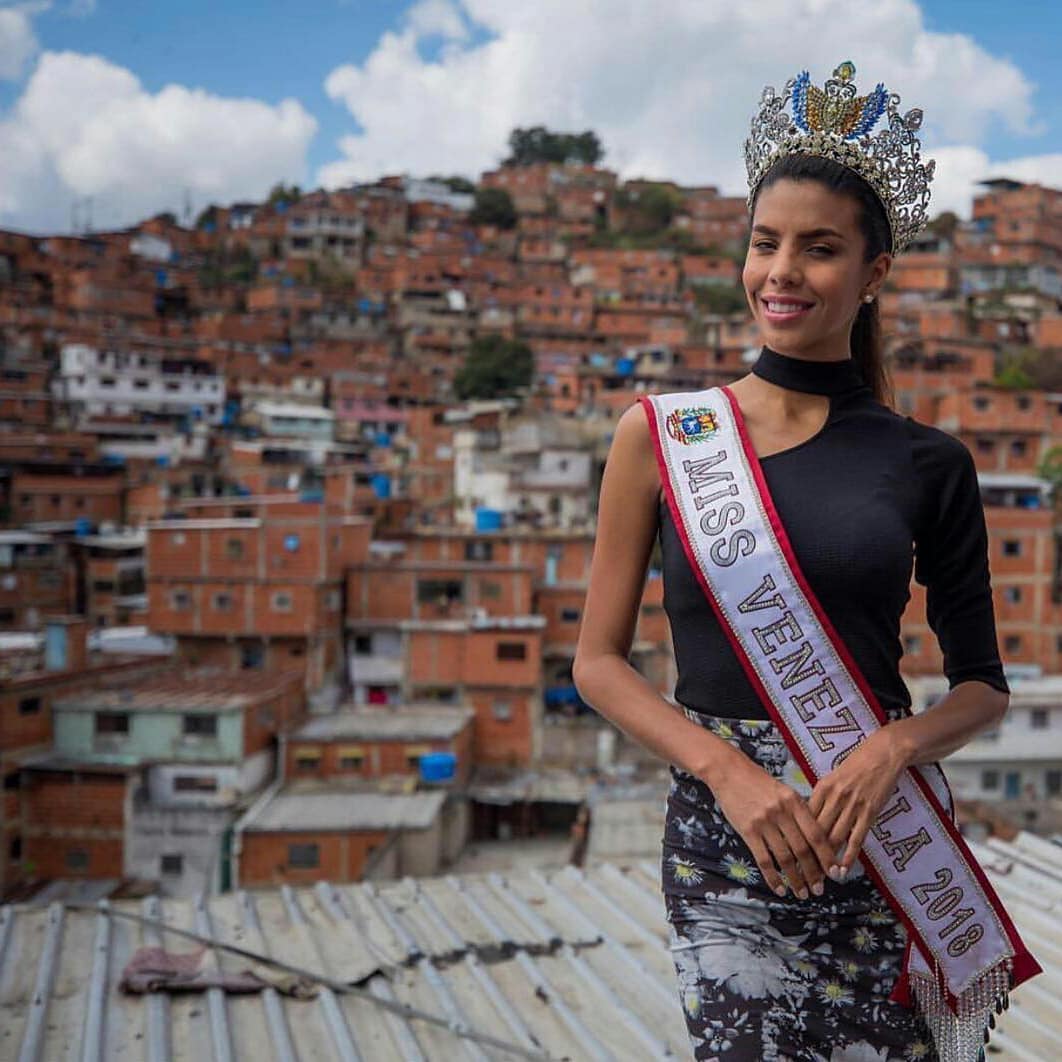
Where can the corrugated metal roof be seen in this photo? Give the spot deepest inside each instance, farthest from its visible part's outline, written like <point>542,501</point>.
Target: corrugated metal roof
<point>345,810</point>
<point>568,964</point>
<point>564,966</point>
<point>377,724</point>
<point>208,689</point>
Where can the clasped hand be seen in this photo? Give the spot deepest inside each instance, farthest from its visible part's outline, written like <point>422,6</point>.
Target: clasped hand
<point>803,837</point>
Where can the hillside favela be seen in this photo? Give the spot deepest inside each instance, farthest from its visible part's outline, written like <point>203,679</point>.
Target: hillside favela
<point>297,510</point>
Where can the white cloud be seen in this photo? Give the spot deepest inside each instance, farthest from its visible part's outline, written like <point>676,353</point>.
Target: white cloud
<point>18,42</point>
<point>959,169</point>
<point>668,88</point>
<point>85,127</point>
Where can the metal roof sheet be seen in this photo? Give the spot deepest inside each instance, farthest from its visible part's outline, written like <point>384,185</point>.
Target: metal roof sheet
<point>563,966</point>
<point>345,810</point>
<point>376,724</point>
<point>568,964</point>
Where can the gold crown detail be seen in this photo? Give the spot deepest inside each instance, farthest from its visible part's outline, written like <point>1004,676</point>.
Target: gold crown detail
<point>835,122</point>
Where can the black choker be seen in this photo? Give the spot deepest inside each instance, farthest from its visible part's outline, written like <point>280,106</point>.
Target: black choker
<point>814,377</point>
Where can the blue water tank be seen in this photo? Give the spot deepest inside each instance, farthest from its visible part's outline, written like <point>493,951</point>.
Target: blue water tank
<point>381,484</point>
<point>488,520</point>
<point>383,439</point>
<point>625,366</point>
<point>437,766</point>
<point>82,526</point>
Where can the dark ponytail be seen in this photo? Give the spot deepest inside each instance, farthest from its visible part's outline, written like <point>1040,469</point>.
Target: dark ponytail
<point>866,340</point>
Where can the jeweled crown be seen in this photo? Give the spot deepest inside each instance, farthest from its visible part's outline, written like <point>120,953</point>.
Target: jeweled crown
<point>835,123</point>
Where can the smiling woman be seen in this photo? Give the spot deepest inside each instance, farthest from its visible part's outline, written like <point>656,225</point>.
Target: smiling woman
<point>808,815</point>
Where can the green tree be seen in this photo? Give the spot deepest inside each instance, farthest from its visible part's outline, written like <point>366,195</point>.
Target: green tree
<point>455,184</point>
<point>720,298</point>
<point>944,224</point>
<point>282,193</point>
<point>539,144</point>
<point>649,209</point>
<point>207,216</point>
<point>494,206</point>
<point>494,367</point>
<point>1014,378</point>
<point>1051,469</point>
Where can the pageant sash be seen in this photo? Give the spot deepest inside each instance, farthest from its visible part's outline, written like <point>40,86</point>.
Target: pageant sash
<point>967,954</point>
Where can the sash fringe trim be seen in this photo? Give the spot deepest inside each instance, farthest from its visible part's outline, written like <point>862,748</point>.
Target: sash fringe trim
<point>960,1035</point>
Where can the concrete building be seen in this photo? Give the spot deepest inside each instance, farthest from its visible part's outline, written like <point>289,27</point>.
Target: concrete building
<point>282,420</point>
<point>60,664</point>
<point>303,836</point>
<point>254,583</point>
<point>115,590</point>
<point>101,383</point>
<point>360,743</point>
<point>1018,765</point>
<point>535,473</point>
<point>36,579</point>
<point>144,777</point>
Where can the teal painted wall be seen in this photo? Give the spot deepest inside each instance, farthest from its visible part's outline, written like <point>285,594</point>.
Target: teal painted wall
<point>152,736</point>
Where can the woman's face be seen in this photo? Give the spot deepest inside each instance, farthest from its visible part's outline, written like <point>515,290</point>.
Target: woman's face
<point>804,274</point>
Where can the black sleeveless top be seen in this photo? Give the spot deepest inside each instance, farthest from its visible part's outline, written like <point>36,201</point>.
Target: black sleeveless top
<point>869,499</point>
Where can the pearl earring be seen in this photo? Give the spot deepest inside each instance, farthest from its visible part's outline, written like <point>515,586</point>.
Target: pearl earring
<point>868,297</point>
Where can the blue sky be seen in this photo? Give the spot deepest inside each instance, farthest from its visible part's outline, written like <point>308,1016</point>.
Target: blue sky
<point>271,52</point>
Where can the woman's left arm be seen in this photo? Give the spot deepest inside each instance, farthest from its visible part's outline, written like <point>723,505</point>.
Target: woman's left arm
<point>957,718</point>
<point>952,563</point>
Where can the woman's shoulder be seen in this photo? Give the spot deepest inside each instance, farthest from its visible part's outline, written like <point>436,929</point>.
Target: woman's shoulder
<point>935,448</point>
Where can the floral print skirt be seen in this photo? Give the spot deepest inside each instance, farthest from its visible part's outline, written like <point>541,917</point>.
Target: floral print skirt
<point>763,977</point>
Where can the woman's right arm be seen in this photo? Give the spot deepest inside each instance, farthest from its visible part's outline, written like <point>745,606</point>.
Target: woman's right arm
<point>626,527</point>
<point>771,816</point>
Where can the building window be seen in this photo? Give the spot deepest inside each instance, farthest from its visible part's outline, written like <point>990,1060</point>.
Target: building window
<point>1018,447</point>
<point>511,651</point>
<point>304,855</point>
<point>1040,719</point>
<point>180,600</point>
<point>29,706</point>
<point>77,859</point>
<point>1012,594</point>
<point>332,601</point>
<point>439,591</point>
<point>350,759</point>
<point>478,549</point>
<point>502,710</point>
<point>252,656</point>
<point>200,726</point>
<point>1012,547</point>
<point>307,760</point>
<point>981,403</point>
<point>234,548</point>
<point>990,780</point>
<point>221,602</point>
<point>569,615</point>
<point>362,644</point>
<point>413,755</point>
<point>986,446</point>
<point>195,783</point>
<point>489,589</point>
<point>1053,782</point>
<point>112,723</point>
<point>1012,643</point>
<point>171,863</point>
<point>281,601</point>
